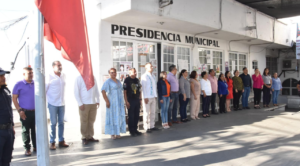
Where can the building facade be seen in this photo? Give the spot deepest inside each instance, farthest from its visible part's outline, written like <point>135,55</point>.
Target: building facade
<point>189,34</point>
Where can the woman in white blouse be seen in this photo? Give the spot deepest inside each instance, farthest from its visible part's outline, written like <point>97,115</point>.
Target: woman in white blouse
<point>205,94</point>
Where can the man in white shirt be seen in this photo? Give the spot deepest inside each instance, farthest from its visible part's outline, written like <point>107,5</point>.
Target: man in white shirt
<point>88,102</point>
<point>149,98</point>
<point>55,91</point>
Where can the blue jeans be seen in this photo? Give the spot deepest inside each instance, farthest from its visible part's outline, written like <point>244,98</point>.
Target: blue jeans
<point>246,96</point>
<point>275,96</point>
<point>57,114</point>
<point>164,109</point>
<point>173,107</point>
<point>183,105</point>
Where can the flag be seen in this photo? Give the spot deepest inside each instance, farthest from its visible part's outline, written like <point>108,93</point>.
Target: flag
<point>298,43</point>
<point>65,26</point>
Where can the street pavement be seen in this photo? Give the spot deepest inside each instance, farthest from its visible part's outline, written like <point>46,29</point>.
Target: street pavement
<point>239,138</point>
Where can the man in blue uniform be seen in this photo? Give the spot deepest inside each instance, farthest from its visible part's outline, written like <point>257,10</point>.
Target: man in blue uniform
<point>6,122</point>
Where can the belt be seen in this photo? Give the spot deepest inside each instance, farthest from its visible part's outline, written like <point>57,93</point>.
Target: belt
<point>5,126</point>
<point>175,92</point>
<point>27,110</point>
<point>247,85</point>
<point>268,84</point>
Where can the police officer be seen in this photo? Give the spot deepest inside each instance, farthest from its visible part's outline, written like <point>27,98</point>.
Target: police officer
<point>132,96</point>
<point>6,122</point>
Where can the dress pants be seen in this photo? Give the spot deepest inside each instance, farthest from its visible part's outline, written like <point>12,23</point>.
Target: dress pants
<point>149,113</point>
<point>173,106</point>
<point>267,95</point>
<point>213,102</point>
<point>257,96</point>
<point>222,101</point>
<point>133,114</point>
<point>205,104</point>
<point>28,128</point>
<point>236,99</point>
<point>6,146</point>
<point>194,106</point>
<point>87,119</point>
<point>183,104</point>
<point>57,114</point>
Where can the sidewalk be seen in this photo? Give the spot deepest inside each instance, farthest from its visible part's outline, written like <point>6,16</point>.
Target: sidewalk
<point>247,137</point>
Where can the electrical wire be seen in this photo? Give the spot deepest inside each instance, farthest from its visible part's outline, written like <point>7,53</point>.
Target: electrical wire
<point>13,63</point>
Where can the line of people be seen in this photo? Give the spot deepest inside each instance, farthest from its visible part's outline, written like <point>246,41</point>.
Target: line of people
<point>134,93</point>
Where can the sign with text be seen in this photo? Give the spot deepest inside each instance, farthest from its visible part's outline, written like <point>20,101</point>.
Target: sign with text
<point>160,35</point>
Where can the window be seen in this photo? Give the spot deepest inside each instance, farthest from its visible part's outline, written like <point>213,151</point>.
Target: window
<point>217,61</point>
<point>240,61</point>
<point>122,52</point>
<point>289,87</point>
<point>233,57</point>
<point>271,63</point>
<point>168,56</point>
<point>254,64</point>
<point>202,57</point>
<point>146,53</point>
<point>184,54</point>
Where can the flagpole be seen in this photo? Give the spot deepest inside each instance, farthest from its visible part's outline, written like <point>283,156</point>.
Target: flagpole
<point>39,87</point>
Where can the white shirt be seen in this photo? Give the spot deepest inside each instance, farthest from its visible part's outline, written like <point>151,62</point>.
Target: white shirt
<point>55,89</point>
<point>82,95</point>
<point>148,85</point>
<point>206,87</point>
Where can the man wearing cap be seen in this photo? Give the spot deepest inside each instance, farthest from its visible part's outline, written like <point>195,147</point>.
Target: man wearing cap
<point>23,98</point>
<point>6,122</point>
<point>55,91</point>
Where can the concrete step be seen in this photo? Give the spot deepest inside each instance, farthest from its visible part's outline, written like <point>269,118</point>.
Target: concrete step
<point>281,107</point>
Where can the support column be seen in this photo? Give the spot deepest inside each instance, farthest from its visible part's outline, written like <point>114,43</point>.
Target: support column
<point>37,34</point>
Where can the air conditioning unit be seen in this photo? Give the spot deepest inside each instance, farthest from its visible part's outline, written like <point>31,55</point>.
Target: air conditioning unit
<point>289,64</point>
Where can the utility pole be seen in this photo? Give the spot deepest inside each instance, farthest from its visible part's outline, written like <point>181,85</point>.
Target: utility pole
<point>37,36</point>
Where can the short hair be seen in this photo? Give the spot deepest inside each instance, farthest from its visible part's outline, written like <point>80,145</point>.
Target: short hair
<point>148,63</point>
<point>171,68</point>
<point>161,75</point>
<point>112,69</point>
<point>132,69</point>
<point>54,63</point>
<point>27,68</point>
<point>203,74</point>
<point>193,74</point>
<point>255,68</point>
<point>244,68</point>
<point>210,70</point>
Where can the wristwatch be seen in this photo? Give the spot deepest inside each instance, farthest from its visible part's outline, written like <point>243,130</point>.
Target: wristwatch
<point>19,110</point>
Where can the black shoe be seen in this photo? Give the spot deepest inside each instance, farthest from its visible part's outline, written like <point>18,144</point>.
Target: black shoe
<point>244,107</point>
<point>215,113</point>
<point>138,133</point>
<point>208,116</point>
<point>184,121</point>
<point>221,112</point>
<point>133,134</point>
<point>235,109</point>
<point>247,107</point>
<point>187,120</point>
<point>154,129</point>
<point>148,131</point>
<point>239,109</point>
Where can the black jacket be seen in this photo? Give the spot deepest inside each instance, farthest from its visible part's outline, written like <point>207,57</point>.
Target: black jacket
<point>162,88</point>
<point>6,113</point>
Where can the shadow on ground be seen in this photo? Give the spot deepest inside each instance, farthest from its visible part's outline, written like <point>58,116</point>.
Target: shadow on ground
<point>248,137</point>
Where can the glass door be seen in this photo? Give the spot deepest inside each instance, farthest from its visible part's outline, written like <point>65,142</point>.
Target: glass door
<point>146,53</point>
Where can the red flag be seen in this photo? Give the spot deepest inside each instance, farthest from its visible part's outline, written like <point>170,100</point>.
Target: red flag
<point>65,26</point>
